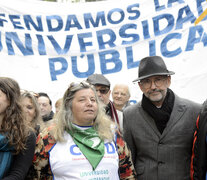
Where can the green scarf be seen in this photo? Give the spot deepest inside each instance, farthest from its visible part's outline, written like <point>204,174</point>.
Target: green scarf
<point>89,143</point>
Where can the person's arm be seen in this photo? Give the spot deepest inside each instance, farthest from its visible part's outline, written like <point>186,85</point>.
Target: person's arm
<point>22,161</point>
<point>127,135</point>
<point>41,164</point>
<point>199,150</point>
<point>126,167</point>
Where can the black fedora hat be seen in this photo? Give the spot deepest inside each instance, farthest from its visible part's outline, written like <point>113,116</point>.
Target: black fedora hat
<point>151,66</point>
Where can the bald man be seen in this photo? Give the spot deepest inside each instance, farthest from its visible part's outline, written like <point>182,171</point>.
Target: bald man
<point>120,96</point>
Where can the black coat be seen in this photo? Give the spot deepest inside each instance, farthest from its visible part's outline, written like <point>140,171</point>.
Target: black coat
<point>199,153</point>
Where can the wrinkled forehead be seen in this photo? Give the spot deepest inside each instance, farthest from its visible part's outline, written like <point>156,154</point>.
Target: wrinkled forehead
<point>122,88</point>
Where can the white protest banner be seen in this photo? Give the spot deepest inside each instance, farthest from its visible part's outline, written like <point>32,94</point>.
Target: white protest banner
<point>46,45</point>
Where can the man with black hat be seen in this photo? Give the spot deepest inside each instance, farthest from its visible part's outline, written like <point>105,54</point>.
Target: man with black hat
<point>159,129</point>
<point>102,86</point>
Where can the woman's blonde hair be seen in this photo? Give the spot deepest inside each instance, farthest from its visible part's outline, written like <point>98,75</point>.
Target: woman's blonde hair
<point>102,123</point>
<point>37,123</point>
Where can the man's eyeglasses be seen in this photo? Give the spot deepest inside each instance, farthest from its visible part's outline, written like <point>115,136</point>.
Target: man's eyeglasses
<point>103,91</point>
<point>147,83</point>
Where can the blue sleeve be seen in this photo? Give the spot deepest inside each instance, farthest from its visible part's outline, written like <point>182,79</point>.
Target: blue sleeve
<point>22,161</point>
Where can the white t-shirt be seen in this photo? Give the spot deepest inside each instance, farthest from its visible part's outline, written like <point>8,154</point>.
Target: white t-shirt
<point>68,163</point>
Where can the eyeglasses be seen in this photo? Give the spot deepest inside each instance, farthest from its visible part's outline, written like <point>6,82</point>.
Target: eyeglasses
<point>147,83</point>
<point>103,91</point>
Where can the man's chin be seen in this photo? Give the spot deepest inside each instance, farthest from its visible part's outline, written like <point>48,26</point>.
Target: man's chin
<point>156,99</point>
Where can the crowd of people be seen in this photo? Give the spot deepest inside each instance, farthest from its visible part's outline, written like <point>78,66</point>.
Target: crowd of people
<point>91,136</point>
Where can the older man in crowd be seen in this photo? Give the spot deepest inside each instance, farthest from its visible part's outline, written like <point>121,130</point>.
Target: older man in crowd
<point>120,96</point>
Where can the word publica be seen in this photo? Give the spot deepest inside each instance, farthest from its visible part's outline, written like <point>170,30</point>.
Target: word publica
<point>195,36</point>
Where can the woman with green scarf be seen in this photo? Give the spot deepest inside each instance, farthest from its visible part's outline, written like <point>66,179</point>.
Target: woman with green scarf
<point>83,143</point>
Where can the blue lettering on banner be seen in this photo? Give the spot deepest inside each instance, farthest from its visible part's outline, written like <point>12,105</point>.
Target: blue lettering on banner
<point>1,47</point>
<point>27,50</point>
<point>15,21</point>
<point>123,34</point>
<point>41,45</point>
<point>29,21</point>
<point>55,72</point>
<point>168,28</point>
<point>115,59</point>
<point>165,52</point>
<point>2,20</point>
<point>130,59</point>
<point>110,14</point>
<point>72,22</point>
<point>152,48</point>
<point>106,38</point>
<point>59,21</point>
<point>159,7</point>
<point>105,43</point>
<point>112,37</point>
<point>91,66</point>
<point>181,20</point>
<point>82,43</point>
<point>135,11</point>
<point>100,19</point>
<point>200,8</point>
<point>192,40</point>
<point>145,27</point>
<point>57,47</point>
<point>55,23</point>
<point>169,4</point>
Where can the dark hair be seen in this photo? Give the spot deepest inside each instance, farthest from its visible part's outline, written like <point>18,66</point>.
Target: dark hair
<point>45,95</point>
<point>14,125</point>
